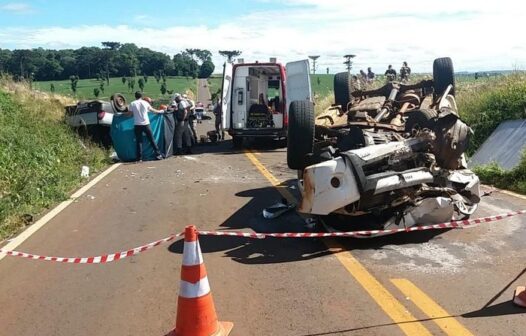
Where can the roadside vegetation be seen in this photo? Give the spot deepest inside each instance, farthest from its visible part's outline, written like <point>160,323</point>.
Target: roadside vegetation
<point>484,105</point>
<point>40,156</point>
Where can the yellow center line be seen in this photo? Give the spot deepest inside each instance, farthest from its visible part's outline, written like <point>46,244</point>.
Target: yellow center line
<point>271,178</point>
<point>440,316</point>
<point>387,302</point>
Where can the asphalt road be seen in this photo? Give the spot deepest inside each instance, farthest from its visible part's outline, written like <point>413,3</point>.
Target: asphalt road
<point>456,282</point>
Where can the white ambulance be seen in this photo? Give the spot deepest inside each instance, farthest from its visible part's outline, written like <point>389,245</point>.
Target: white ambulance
<point>256,97</point>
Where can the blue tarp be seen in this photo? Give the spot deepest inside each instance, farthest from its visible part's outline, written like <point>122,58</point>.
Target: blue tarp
<point>123,137</point>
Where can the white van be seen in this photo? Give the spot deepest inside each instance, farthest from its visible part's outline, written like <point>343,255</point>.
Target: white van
<point>256,97</point>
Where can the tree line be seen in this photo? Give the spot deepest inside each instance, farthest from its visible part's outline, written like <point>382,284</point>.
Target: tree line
<point>111,60</point>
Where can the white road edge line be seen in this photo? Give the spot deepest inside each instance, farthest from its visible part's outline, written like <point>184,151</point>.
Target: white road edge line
<point>15,242</point>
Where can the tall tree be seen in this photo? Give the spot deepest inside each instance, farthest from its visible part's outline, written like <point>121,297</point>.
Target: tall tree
<point>230,54</point>
<point>206,69</point>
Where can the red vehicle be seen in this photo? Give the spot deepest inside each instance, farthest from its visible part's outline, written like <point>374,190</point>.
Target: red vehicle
<point>256,97</point>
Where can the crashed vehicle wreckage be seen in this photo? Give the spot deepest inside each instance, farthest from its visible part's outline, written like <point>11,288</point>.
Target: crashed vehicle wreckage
<point>387,158</point>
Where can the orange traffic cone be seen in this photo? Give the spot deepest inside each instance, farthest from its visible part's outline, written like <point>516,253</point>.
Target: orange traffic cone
<point>196,314</point>
<point>520,296</point>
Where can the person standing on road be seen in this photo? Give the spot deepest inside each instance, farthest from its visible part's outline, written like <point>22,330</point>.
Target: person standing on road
<point>390,73</point>
<point>139,108</point>
<point>182,130</point>
<point>405,71</point>
<point>191,117</point>
<point>218,114</point>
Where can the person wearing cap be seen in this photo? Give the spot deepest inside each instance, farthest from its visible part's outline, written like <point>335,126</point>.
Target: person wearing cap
<point>191,117</point>
<point>182,131</point>
<point>139,108</point>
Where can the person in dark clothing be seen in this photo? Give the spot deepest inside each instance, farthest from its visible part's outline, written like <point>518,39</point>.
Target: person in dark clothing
<point>182,128</point>
<point>405,71</point>
<point>370,75</point>
<point>139,108</point>
<point>218,113</point>
<point>390,73</point>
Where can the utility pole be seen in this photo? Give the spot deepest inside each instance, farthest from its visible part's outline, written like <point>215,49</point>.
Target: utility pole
<point>348,61</point>
<point>314,58</point>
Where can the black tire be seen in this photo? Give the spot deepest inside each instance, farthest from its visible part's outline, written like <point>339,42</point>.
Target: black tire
<point>237,142</point>
<point>342,89</point>
<point>118,102</point>
<point>300,138</point>
<point>443,75</point>
<point>420,119</point>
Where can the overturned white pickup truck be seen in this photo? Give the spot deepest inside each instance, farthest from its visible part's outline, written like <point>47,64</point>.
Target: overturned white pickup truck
<point>396,160</point>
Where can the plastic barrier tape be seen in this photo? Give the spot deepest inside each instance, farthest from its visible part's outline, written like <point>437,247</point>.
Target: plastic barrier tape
<point>103,259</point>
<point>460,224</point>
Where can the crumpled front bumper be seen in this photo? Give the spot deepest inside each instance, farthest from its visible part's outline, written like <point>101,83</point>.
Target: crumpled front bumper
<point>328,186</point>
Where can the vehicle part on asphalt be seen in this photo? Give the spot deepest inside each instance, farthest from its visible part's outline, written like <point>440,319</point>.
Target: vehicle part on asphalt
<point>276,210</point>
<point>398,161</point>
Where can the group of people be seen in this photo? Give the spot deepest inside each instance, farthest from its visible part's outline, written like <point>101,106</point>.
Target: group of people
<point>185,135</point>
<point>390,74</point>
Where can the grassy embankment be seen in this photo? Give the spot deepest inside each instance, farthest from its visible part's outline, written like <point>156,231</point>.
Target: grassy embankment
<point>151,88</point>
<point>40,156</point>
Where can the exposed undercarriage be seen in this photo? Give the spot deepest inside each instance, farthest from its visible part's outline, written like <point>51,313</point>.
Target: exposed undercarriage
<point>391,158</point>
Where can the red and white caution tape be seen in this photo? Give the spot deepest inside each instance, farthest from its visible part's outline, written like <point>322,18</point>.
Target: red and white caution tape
<point>125,254</point>
<point>103,259</point>
<point>447,225</point>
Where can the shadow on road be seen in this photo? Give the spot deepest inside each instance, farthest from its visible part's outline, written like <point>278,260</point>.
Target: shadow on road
<point>276,250</point>
<point>501,309</point>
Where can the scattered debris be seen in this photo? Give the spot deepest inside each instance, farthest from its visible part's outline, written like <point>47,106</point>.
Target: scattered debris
<point>277,209</point>
<point>84,172</point>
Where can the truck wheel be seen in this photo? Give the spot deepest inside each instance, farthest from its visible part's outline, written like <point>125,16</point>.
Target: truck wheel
<point>237,141</point>
<point>443,75</point>
<point>420,119</point>
<point>118,102</point>
<point>342,89</point>
<point>300,138</point>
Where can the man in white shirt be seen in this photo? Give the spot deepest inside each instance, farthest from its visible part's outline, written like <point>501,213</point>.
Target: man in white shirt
<point>139,108</point>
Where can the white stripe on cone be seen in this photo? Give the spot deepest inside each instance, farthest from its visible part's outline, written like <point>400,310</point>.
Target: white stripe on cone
<point>192,254</point>
<point>191,291</point>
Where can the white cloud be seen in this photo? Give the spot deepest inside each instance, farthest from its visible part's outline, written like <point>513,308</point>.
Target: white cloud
<point>17,8</point>
<point>477,36</point>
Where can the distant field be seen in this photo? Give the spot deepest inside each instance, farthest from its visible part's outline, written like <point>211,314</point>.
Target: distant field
<point>322,84</point>
<point>151,89</point>
<point>214,83</point>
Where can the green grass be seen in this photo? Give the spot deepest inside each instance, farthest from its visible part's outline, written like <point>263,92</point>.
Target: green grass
<point>152,89</point>
<point>40,157</point>
<point>322,85</point>
<point>514,179</point>
<point>215,83</point>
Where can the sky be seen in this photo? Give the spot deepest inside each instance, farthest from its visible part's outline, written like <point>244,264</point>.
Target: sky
<point>477,35</point>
